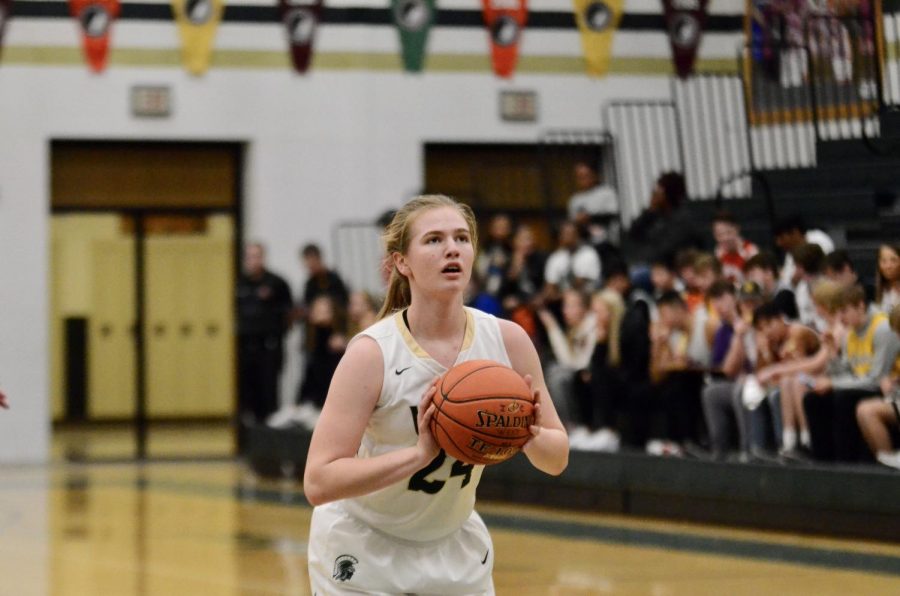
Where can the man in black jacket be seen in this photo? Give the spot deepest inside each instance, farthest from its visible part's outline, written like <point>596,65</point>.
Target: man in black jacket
<point>264,305</point>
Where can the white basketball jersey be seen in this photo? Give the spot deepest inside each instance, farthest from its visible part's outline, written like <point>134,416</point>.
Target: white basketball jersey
<point>436,500</point>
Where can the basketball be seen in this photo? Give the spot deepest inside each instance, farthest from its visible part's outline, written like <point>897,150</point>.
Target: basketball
<point>483,411</point>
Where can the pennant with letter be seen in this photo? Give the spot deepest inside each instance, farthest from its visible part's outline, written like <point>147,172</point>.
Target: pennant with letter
<point>684,25</point>
<point>598,21</point>
<point>5,14</point>
<point>505,20</point>
<point>96,18</point>
<point>413,19</point>
<point>197,21</point>
<point>301,19</point>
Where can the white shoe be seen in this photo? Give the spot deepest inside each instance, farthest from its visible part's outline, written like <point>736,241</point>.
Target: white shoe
<point>283,418</point>
<point>890,458</point>
<point>604,440</point>
<point>579,438</point>
<point>312,418</point>
<point>660,447</point>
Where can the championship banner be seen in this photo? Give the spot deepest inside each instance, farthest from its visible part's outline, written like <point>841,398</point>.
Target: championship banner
<point>684,25</point>
<point>413,19</point>
<point>96,18</point>
<point>301,19</point>
<point>505,20</point>
<point>197,23</point>
<point>598,21</point>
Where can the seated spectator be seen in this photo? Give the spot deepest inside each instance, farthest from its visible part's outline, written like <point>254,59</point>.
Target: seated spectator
<point>869,353</point>
<point>791,232</point>
<point>572,346</point>
<point>721,399</point>
<point>887,283</point>
<point>706,270</point>
<point>731,250</point>
<point>602,400</point>
<point>839,268</point>
<point>810,263</point>
<point>663,227</point>
<point>677,378</point>
<point>595,206</point>
<point>362,312</point>
<point>494,255</point>
<point>573,265</point>
<point>524,280</point>
<point>663,276</point>
<point>684,267</point>
<point>879,417</point>
<point>762,268</point>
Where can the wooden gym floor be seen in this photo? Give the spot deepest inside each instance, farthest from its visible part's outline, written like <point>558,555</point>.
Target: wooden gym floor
<point>213,528</point>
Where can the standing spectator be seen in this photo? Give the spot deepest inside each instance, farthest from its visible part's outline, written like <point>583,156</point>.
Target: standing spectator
<point>887,284</point>
<point>572,265</point>
<point>493,258</point>
<point>731,249</point>
<point>594,207</point>
<point>605,390</point>
<point>762,269</point>
<point>320,280</point>
<point>879,417</point>
<point>263,305</point>
<point>869,354</point>
<point>791,232</point>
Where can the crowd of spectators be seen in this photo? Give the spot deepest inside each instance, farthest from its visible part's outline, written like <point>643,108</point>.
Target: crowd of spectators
<point>675,338</point>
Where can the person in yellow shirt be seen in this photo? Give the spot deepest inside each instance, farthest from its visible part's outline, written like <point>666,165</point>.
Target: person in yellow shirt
<point>869,354</point>
<point>879,417</point>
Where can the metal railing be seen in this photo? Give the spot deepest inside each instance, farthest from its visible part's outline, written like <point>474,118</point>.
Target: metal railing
<point>647,143</point>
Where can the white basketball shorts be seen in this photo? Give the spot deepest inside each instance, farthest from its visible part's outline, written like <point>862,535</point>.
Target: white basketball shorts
<point>347,556</point>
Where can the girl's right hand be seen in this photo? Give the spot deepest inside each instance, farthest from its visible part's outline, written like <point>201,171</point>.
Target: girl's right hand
<point>426,444</point>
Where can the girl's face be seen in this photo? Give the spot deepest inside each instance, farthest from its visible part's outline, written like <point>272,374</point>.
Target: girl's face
<point>358,305</point>
<point>573,309</point>
<point>440,252</point>
<point>889,263</point>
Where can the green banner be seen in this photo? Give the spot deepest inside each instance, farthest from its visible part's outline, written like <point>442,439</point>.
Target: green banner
<point>413,19</point>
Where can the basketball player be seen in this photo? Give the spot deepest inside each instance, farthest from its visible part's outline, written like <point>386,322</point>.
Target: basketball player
<point>394,514</point>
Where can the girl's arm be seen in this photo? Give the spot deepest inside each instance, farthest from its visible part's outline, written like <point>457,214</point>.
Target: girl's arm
<point>332,469</point>
<point>548,449</point>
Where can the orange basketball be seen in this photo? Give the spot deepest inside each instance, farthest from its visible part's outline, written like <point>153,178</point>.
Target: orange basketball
<point>483,410</point>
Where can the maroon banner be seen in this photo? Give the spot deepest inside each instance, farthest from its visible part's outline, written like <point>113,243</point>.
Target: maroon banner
<point>301,19</point>
<point>505,20</point>
<point>5,14</point>
<point>96,18</point>
<point>684,23</point>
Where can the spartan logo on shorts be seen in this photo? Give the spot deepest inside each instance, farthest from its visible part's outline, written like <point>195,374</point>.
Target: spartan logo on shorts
<point>344,567</point>
<point>412,15</point>
<point>598,16</point>
<point>505,31</point>
<point>301,24</point>
<point>199,11</point>
<point>685,30</point>
<point>94,20</point>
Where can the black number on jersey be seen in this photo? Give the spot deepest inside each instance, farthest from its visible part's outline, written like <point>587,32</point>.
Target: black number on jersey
<point>419,480</point>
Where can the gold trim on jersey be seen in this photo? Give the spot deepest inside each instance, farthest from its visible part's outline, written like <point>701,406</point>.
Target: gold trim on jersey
<point>418,351</point>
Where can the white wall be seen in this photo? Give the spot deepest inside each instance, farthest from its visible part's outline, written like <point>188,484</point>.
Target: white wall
<point>329,146</point>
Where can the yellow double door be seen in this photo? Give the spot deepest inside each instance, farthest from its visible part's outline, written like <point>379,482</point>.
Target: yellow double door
<point>188,330</point>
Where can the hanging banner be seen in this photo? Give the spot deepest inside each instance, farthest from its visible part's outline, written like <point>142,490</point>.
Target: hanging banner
<point>5,14</point>
<point>598,21</point>
<point>197,21</point>
<point>505,20</point>
<point>684,25</point>
<point>301,19</point>
<point>95,18</point>
<point>413,19</point>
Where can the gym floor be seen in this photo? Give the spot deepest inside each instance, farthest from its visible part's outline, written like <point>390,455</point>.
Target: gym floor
<point>212,527</point>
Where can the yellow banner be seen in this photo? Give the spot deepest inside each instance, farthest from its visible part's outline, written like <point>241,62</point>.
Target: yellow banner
<point>197,21</point>
<point>598,21</point>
